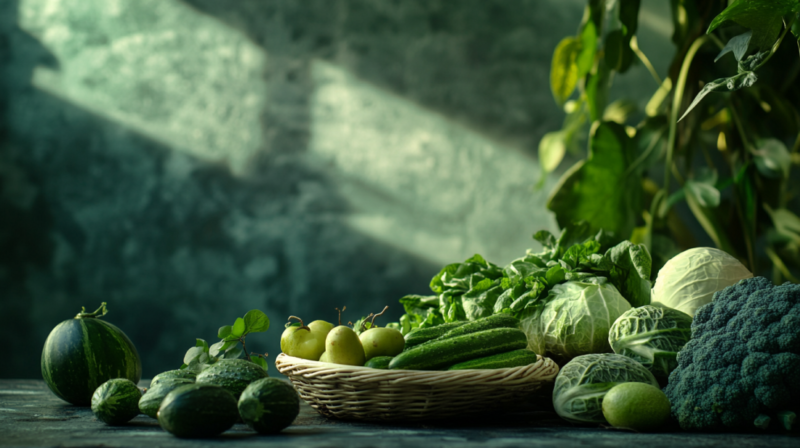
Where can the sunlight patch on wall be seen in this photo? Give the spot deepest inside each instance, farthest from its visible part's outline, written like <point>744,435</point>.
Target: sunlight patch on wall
<point>156,66</point>
<point>418,181</point>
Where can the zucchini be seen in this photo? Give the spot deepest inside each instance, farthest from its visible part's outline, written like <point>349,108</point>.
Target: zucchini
<point>443,353</point>
<point>485,323</point>
<point>379,362</point>
<point>514,358</point>
<point>421,335</point>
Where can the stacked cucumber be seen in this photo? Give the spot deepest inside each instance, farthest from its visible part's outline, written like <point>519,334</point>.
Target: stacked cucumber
<point>493,342</point>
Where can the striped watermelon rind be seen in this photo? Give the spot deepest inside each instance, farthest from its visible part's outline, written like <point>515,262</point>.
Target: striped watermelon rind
<point>116,401</point>
<point>82,353</point>
<point>269,405</point>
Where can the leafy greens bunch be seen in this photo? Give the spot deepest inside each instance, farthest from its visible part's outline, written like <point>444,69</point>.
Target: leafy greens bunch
<point>202,355</point>
<point>714,147</point>
<point>477,288</point>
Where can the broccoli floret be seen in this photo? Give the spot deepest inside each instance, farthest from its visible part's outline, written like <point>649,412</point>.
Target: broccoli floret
<point>743,361</point>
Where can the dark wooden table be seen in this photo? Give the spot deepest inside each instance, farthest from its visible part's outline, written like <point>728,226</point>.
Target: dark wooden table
<point>32,416</point>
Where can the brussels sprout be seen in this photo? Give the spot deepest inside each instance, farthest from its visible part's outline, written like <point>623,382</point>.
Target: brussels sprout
<point>583,382</point>
<point>690,279</point>
<point>652,335</point>
<point>575,318</point>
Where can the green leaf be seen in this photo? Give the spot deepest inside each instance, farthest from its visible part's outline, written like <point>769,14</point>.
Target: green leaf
<point>764,18</point>
<point>221,347</point>
<point>614,47</point>
<point>224,332</point>
<point>703,189</point>
<point>552,148</point>
<point>630,271</point>
<point>601,190</point>
<point>233,353</point>
<point>259,361</point>
<point>564,69</point>
<point>629,18</point>
<point>796,27</point>
<point>718,84</point>
<point>772,159</point>
<point>738,45</point>
<point>597,86</point>
<point>192,355</point>
<point>239,328</point>
<point>619,111</point>
<point>786,223</point>
<point>202,343</point>
<point>256,321</point>
<point>588,48</point>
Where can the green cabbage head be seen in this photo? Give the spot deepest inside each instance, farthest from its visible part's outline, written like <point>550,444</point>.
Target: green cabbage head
<point>652,335</point>
<point>583,382</point>
<point>574,319</point>
<point>690,279</point>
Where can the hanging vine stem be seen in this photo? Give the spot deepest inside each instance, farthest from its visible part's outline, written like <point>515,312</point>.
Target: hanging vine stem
<point>680,86</point>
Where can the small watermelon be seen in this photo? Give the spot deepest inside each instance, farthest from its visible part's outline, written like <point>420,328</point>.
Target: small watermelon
<point>169,374</point>
<point>198,410</point>
<point>116,401</point>
<point>82,353</point>
<point>232,374</point>
<point>269,405</point>
<point>151,399</point>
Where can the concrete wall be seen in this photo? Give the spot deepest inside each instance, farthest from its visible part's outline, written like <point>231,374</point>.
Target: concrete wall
<point>186,161</point>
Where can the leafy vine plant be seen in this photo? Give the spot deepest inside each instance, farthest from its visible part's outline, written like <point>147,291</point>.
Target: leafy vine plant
<point>715,147</point>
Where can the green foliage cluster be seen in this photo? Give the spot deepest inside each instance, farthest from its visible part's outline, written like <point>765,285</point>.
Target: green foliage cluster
<point>202,355</point>
<point>478,288</point>
<point>731,154</point>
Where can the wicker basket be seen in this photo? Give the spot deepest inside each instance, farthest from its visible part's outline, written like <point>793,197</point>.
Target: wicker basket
<point>363,393</point>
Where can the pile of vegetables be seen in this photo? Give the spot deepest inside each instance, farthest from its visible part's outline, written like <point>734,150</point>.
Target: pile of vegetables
<point>566,297</point>
<point>87,361</point>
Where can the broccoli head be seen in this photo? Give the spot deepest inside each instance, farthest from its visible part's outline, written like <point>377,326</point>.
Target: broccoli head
<point>743,361</point>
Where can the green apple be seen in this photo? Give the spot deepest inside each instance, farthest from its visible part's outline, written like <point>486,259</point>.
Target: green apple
<point>342,346</point>
<point>324,357</point>
<point>307,342</point>
<point>382,341</point>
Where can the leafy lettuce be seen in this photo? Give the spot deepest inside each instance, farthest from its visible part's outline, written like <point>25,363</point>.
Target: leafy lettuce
<point>477,288</point>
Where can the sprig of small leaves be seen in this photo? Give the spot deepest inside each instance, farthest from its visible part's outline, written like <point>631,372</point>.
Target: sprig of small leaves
<point>202,355</point>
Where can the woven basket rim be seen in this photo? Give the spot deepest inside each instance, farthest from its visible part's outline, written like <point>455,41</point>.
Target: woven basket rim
<point>290,365</point>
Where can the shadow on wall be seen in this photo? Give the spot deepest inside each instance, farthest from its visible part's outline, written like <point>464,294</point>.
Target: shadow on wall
<point>185,173</point>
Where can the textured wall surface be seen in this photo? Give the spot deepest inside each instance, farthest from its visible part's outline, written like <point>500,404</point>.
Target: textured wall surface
<point>186,161</point>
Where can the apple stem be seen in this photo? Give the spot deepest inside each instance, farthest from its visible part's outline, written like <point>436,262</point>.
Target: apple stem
<point>364,322</point>
<point>372,324</point>
<point>340,314</point>
<point>302,325</point>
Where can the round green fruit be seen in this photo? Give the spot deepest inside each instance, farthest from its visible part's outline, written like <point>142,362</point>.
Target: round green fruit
<point>343,347</point>
<point>269,405</point>
<point>639,406</point>
<point>382,341</point>
<point>151,400</point>
<point>82,353</point>
<point>198,410</point>
<point>307,342</point>
<point>116,401</point>
<point>232,374</point>
<point>170,374</point>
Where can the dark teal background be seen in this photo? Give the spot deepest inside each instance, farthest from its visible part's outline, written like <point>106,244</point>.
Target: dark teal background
<point>186,161</point>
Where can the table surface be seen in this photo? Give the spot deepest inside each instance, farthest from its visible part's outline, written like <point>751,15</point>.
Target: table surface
<point>30,415</point>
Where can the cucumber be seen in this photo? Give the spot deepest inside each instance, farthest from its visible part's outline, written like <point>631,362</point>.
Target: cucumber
<point>269,405</point>
<point>198,410</point>
<point>443,353</point>
<point>379,362</point>
<point>171,374</point>
<point>486,323</point>
<point>151,400</point>
<point>232,374</point>
<point>514,358</point>
<point>421,335</point>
